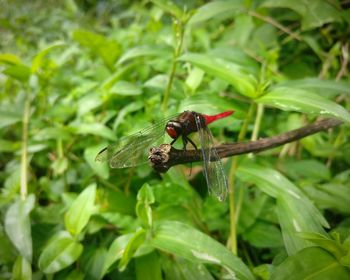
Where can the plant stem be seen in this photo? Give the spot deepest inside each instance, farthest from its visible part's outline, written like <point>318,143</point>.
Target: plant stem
<point>231,183</point>
<point>24,152</point>
<point>259,114</point>
<point>180,35</point>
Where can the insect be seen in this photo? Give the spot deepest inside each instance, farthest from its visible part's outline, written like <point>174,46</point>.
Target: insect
<point>133,150</point>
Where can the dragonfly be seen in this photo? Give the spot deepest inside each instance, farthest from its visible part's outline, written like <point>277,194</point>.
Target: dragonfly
<point>133,150</point>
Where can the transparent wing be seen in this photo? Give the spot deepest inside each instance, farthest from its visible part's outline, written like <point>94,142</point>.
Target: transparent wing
<point>212,165</point>
<point>133,149</point>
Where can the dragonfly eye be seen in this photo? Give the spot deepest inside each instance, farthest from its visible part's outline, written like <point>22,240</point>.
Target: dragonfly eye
<point>172,132</point>
<point>173,129</point>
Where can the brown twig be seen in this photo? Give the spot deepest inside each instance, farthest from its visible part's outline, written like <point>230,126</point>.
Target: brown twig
<point>165,156</point>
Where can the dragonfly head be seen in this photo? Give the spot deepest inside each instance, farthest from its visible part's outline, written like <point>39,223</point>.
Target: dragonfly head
<point>174,129</point>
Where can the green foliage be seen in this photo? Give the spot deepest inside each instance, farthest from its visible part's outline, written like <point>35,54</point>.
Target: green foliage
<point>78,75</point>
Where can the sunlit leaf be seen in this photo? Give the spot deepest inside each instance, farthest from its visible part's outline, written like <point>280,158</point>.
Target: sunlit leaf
<point>141,51</point>
<point>310,263</point>
<point>133,244</point>
<point>294,99</point>
<point>22,269</point>
<point>17,225</point>
<point>185,241</point>
<point>216,9</point>
<point>243,81</point>
<point>60,252</point>
<point>148,267</point>
<point>81,210</point>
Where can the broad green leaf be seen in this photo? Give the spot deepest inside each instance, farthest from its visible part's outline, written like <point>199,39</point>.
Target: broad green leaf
<point>60,252</point>
<point>311,263</point>
<point>330,196</point>
<point>9,146</point>
<point>217,9</point>
<point>9,58</point>
<point>142,51</point>
<point>169,7</point>
<point>294,99</point>
<point>131,107</point>
<point>18,71</point>
<point>94,129</point>
<point>243,81</point>
<point>17,225</point>
<point>194,78</point>
<point>325,243</point>
<point>116,250</point>
<point>263,235</point>
<point>306,169</point>
<point>80,211</point>
<point>148,267</point>
<point>38,60</point>
<point>125,88</point>
<point>107,49</point>
<point>296,213</point>
<point>145,198</point>
<point>100,168</point>
<point>89,102</point>
<point>49,133</point>
<point>59,165</point>
<point>322,87</point>
<point>92,261</point>
<point>187,242</point>
<point>22,269</point>
<point>178,268</point>
<point>314,13</point>
<point>134,243</point>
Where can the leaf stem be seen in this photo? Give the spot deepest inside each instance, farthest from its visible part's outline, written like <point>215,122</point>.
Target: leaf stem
<point>180,28</point>
<point>24,152</point>
<point>231,183</point>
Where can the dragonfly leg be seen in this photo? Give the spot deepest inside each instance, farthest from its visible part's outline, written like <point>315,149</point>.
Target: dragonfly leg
<point>193,144</point>
<point>172,142</point>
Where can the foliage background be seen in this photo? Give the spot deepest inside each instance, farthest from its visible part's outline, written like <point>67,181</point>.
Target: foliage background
<point>77,75</point>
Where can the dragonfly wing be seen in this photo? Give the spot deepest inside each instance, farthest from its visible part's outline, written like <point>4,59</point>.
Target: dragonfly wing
<point>133,150</point>
<point>212,165</point>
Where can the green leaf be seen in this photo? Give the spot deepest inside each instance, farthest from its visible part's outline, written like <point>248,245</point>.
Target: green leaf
<point>141,51</point>
<point>115,251</point>
<point>134,243</point>
<point>79,213</point>
<point>125,88</point>
<point>145,198</point>
<point>60,252</point>
<point>22,269</point>
<point>310,263</point>
<point>243,81</point>
<point>94,129</point>
<point>216,9</point>
<point>314,13</point>
<point>18,71</point>
<point>296,213</point>
<point>107,49</point>
<point>9,58</point>
<point>100,168</point>
<point>263,235</point>
<point>169,7</point>
<point>39,59</point>
<point>294,99</point>
<point>185,241</point>
<point>17,225</point>
<point>325,243</point>
<point>322,87</point>
<point>148,267</point>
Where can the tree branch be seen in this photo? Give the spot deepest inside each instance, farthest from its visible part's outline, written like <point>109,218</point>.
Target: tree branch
<point>165,156</point>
